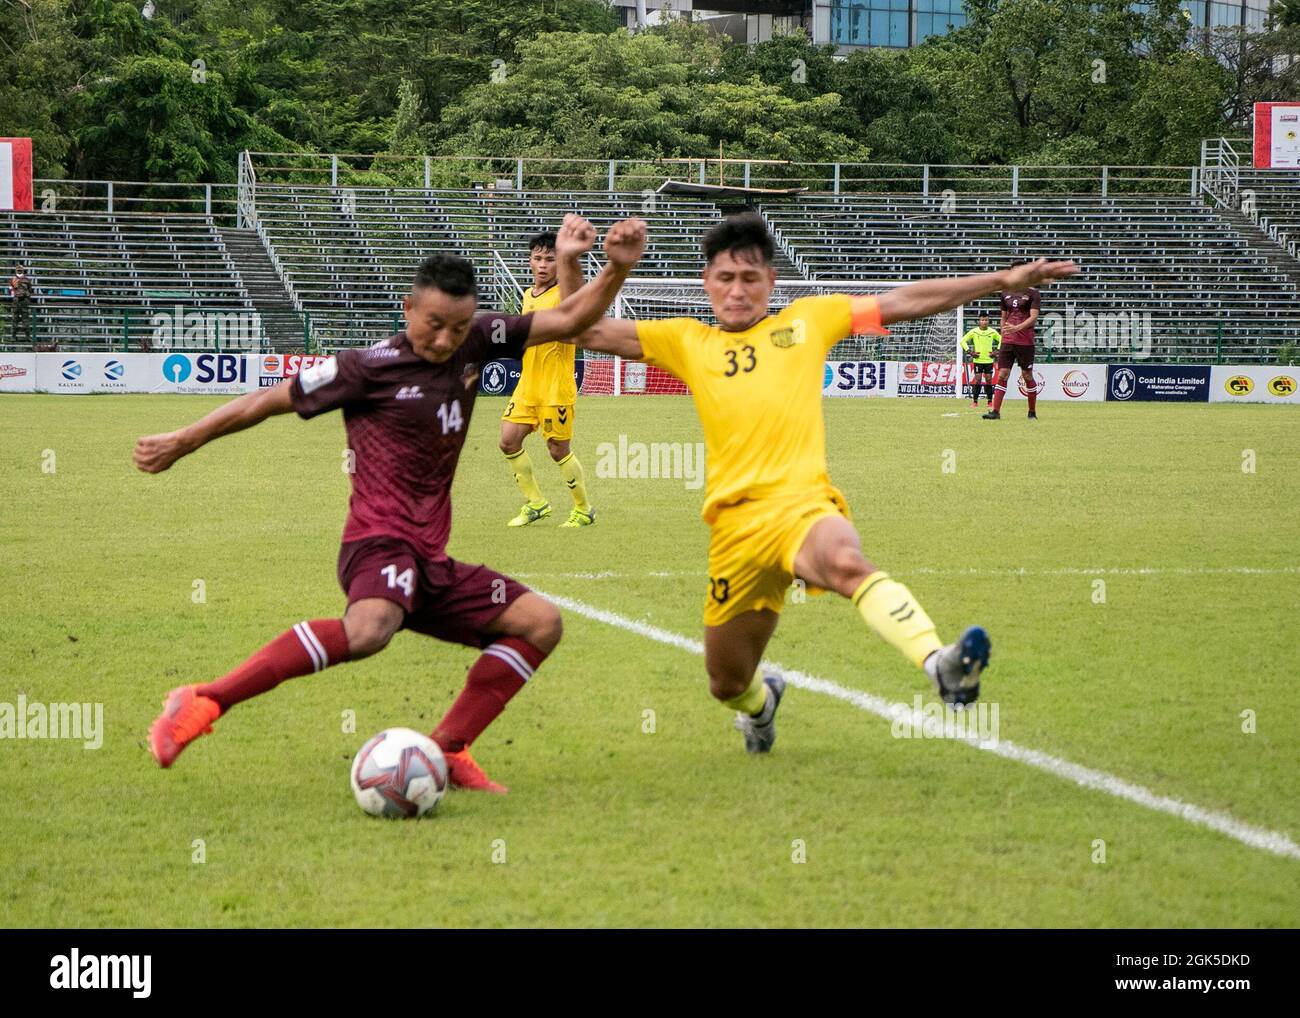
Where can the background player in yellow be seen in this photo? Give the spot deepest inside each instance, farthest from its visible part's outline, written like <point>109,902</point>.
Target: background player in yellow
<point>546,397</point>
<point>981,343</point>
<point>774,515</point>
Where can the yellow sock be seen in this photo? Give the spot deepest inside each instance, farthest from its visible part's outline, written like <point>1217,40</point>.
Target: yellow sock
<point>523,468</point>
<point>890,609</point>
<point>752,700</point>
<point>571,471</point>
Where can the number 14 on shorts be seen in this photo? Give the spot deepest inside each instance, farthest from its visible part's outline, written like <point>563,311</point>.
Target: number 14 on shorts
<point>405,580</point>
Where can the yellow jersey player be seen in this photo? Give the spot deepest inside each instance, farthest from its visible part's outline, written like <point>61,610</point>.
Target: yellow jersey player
<point>546,396</point>
<point>774,516</point>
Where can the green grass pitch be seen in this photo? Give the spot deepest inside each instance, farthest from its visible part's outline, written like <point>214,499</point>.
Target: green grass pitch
<point>608,824</point>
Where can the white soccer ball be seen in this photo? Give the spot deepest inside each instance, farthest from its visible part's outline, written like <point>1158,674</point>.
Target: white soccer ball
<point>399,773</point>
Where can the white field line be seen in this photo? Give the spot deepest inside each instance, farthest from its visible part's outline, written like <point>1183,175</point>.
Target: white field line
<point>1256,837</point>
<point>973,571</point>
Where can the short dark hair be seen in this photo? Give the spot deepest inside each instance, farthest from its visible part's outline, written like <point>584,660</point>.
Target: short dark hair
<point>985,314</point>
<point>450,273</point>
<point>745,232</point>
<point>544,240</point>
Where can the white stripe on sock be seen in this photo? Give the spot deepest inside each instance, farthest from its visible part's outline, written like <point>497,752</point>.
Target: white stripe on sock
<point>511,657</point>
<point>320,647</point>
<point>298,630</point>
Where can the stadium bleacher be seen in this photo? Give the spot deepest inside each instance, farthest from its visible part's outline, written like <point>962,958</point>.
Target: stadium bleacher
<point>329,265</point>
<point>100,277</point>
<point>1274,201</point>
<point>348,254</point>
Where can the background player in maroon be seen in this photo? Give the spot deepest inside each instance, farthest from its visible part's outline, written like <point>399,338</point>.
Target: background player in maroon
<point>406,405</point>
<point>1019,316</point>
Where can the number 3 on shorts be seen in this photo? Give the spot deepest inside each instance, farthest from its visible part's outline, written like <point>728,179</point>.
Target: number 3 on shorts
<point>406,580</point>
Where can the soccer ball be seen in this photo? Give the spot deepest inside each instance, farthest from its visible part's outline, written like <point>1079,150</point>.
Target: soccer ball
<point>399,773</point>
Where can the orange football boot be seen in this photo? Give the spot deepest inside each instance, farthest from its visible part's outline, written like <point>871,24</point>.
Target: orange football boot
<point>464,772</point>
<point>185,717</point>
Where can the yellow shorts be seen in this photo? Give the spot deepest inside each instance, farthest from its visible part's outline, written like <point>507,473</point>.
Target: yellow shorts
<point>554,422</point>
<point>753,547</point>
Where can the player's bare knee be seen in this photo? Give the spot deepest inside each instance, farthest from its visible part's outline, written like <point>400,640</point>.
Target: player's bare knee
<point>369,631</point>
<point>847,566</point>
<point>547,628</point>
<point>558,450</point>
<point>727,684</point>
<point>509,446</point>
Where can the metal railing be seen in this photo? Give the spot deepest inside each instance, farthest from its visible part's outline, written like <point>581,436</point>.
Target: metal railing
<point>322,169</point>
<point>219,202</point>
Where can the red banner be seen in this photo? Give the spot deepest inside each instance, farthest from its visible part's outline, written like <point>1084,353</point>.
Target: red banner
<point>15,174</point>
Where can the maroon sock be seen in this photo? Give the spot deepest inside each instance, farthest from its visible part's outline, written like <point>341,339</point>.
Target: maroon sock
<point>1032,396</point>
<point>307,647</point>
<point>498,674</point>
<point>999,391</point>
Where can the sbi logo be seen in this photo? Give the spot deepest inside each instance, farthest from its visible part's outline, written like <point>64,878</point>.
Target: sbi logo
<point>827,375</point>
<point>494,378</point>
<point>114,370</point>
<point>222,368</point>
<point>176,368</point>
<point>71,370</point>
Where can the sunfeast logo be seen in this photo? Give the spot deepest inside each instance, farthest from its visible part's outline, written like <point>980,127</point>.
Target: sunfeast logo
<point>102,972</point>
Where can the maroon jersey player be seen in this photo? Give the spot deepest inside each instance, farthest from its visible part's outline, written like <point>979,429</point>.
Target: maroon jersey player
<point>1019,316</point>
<point>406,406</point>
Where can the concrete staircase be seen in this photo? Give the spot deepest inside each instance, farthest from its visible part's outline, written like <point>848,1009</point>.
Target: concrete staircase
<point>1259,243</point>
<point>282,322</point>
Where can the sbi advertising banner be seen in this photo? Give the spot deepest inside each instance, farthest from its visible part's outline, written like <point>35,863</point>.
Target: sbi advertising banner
<point>1237,383</point>
<point>860,378</point>
<point>1162,383</point>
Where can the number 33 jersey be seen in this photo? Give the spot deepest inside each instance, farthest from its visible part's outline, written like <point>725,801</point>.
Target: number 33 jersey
<point>758,393</point>
<point>406,420</point>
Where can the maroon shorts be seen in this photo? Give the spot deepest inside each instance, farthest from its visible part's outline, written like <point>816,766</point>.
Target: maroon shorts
<point>450,600</point>
<point>1016,353</point>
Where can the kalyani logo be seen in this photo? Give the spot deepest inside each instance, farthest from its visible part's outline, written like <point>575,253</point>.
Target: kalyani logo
<point>77,971</point>
<point>1127,332</point>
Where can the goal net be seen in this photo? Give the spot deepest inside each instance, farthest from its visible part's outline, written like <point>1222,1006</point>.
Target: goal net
<point>929,339</point>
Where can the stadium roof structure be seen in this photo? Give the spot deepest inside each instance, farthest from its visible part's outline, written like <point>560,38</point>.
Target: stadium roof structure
<point>731,191</point>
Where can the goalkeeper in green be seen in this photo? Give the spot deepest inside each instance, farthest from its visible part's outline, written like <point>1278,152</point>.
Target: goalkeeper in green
<point>981,343</point>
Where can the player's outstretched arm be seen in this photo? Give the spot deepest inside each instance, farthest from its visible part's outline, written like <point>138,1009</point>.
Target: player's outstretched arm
<point>575,238</point>
<point>613,335</point>
<point>624,245</point>
<point>155,453</point>
<point>933,296</point>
